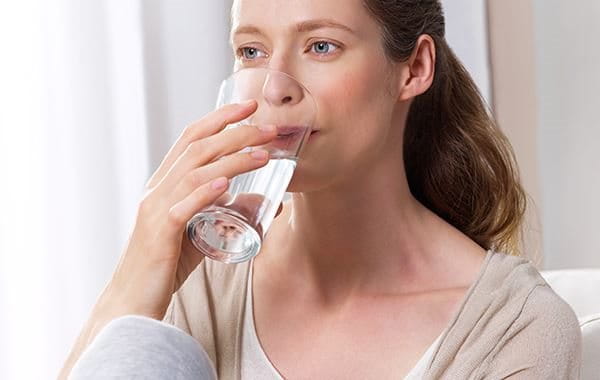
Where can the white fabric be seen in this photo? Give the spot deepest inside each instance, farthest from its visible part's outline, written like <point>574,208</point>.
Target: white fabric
<point>419,369</point>
<point>590,330</point>
<point>581,289</point>
<point>256,364</point>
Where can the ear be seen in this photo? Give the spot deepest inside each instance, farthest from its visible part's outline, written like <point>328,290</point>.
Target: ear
<point>418,71</point>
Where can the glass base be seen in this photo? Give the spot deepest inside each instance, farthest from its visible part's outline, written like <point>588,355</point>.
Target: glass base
<point>223,235</point>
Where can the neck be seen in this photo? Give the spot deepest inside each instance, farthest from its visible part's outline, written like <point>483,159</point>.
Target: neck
<point>366,235</point>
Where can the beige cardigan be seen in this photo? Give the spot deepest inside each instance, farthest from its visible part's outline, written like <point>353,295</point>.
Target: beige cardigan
<point>511,324</point>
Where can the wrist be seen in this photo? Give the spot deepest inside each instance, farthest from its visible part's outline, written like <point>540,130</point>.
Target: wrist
<point>114,303</point>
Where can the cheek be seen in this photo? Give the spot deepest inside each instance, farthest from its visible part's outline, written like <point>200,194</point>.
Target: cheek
<point>355,112</point>
<point>355,107</point>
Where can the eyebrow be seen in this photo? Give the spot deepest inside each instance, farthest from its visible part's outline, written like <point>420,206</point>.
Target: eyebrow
<point>302,27</point>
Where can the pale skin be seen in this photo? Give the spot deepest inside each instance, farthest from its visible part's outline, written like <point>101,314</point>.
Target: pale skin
<point>355,278</point>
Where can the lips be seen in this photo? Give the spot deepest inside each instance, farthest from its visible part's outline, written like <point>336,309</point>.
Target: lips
<point>285,130</point>
<point>289,139</point>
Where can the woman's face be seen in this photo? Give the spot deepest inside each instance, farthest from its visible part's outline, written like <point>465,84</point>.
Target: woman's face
<point>336,52</point>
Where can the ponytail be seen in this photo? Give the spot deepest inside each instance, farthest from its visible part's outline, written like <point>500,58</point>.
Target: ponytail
<point>459,164</point>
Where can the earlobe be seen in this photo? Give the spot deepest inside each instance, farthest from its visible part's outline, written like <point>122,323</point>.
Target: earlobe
<point>419,70</point>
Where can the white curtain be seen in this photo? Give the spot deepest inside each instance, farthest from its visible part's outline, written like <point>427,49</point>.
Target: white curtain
<point>92,94</point>
<point>467,35</point>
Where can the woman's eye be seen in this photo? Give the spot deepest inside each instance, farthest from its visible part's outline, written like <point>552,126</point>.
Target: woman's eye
<point>323,47</point>
<point>250,53</point>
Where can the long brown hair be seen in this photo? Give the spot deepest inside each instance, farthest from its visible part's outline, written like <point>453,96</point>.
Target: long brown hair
<point>458,162</point>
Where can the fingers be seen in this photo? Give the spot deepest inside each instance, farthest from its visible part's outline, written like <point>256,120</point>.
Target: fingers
<point>203,152</point>
<point>210,124</point>
<point>180,213</point>
<point>230,166</point>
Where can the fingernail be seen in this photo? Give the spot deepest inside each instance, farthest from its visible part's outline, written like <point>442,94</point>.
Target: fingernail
<point>267,128</point>
<point>259,154</point>
<point>219,183</point>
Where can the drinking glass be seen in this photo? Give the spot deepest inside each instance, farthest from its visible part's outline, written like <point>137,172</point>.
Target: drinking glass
<point>232,229</point>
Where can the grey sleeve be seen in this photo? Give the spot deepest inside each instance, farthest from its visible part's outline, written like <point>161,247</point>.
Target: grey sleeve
<point>136,347</point>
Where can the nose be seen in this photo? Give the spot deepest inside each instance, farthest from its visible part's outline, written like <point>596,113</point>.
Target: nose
<point>280,89</point>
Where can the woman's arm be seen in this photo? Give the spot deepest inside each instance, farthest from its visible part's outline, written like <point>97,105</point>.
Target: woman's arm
<point>158,256</point>
<point>102,313</point>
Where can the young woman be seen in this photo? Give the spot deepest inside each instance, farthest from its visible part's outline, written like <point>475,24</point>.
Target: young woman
<point>397,256</point>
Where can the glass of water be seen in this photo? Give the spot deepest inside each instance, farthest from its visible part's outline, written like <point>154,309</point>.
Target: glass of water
<point>232,229</point>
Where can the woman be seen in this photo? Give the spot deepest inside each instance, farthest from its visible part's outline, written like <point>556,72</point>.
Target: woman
<point>396,255</point>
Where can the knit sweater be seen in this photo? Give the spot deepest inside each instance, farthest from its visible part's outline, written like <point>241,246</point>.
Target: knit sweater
<point>510,324</point>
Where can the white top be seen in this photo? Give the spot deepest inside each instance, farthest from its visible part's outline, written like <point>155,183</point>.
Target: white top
<point>256,364</point>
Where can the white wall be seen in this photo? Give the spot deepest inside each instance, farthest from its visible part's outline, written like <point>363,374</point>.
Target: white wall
<point>187,57</point>
<point>466,32</point>
<point>568,87</point>
<point>515,104</point>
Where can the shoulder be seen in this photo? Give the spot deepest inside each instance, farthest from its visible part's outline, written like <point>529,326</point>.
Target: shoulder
<point>543,342</point>
<point>547,308</point>
<point>511,323</point>
<point>511,282</point>
<point>541,337</point>
<point>516,284</point>
<point>511,272</point>
<point>549,322</point>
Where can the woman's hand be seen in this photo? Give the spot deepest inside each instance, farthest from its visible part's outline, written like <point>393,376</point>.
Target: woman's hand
<point>159,257</point>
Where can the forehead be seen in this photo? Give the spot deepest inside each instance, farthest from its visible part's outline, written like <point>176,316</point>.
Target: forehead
<point>274,14</point>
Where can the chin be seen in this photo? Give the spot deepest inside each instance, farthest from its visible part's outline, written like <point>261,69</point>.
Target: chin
<point>312,175</point>
<point>308,177</point>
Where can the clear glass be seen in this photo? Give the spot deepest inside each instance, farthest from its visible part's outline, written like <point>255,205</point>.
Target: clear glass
<point>232,229</point>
